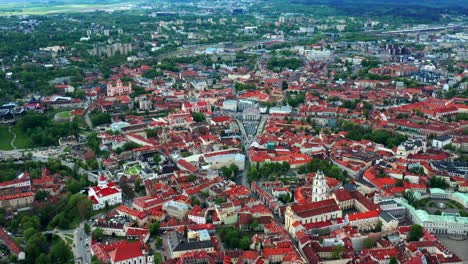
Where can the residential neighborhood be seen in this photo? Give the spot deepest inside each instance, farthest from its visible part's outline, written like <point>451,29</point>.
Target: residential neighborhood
<point>233,132</point>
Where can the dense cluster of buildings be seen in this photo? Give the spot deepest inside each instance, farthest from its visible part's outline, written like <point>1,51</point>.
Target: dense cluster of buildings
<point>306,163</point>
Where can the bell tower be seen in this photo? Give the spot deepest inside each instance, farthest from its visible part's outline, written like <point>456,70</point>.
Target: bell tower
<point>319,187</point>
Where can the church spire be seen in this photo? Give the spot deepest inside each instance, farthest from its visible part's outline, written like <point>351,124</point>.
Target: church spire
<point>319,187</point>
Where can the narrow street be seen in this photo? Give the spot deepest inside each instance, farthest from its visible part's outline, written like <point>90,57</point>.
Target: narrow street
<point>80,241</point>
<point>88,120</point>
<point>244,180</point>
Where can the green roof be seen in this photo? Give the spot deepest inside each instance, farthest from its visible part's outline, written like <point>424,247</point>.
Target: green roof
<point>436,191</point>
<point>461,196</point>
<point>423,216</point>
<point>417,195</point>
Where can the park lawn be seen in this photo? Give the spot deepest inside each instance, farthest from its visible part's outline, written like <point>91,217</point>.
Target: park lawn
<point>10,9</point>
<point>22,140</point>
<point>6,138</point>
<point>134,170</point>
<point>64,114</point>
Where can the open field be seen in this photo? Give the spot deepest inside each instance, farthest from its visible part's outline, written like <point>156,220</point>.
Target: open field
<point>21,141</point>
<point>25,8</point>
<point>64,114</point>
<point>6,138</point>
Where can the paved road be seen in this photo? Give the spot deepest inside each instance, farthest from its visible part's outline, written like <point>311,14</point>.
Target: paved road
<point>88,120</point>
<point>80,253</point>
<point>80,241</point>
<point>247,142</point>
<point>244,178</point>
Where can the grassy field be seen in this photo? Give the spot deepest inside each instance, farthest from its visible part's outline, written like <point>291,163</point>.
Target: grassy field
<point>64,114</point>
<point>25,8</point>
<point>21,141</point>
<point>134,170</point>
<point>6,138</point>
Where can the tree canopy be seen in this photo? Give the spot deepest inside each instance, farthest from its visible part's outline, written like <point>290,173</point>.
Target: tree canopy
<point>415,233</point>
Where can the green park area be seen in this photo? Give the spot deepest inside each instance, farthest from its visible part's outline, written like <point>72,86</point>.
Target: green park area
<point>21,141</point>
<point>133,170</point>
<point>64,114</point>
<point>38,8</point>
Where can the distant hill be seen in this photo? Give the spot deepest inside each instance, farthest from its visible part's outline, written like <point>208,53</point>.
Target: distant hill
<point>423,10</point>
<point>433,3</point>
<point>60,2</point>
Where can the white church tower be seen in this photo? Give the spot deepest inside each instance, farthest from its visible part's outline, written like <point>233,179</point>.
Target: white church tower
<point>102,182</point>
<point>319,187</point>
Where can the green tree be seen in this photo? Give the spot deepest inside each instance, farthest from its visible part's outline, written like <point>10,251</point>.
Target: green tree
<point>378,227</point>
<point>194,200</point>
<point>438,182</point>
<point>227,172</point>
<point>415,233</point>
<point>95,260</point>
<point>139,186</point>
<point>156,158</point>
<point>244,86</point>
<point>154,228</point>
<point>409,196</point>
<point>159,242</point>
<point>98,118</point>
<point>198,117</point>
<point>219,200</point>
<point>234,168</point>
<point>393,260</point>
<point>60,253</point>
<point>87,228</point>
<point>284,85</point>
<point>368,243</point>
<point>41,195</point>
<point>254,226</point>
<point>73,186</point>
<point>98,233</point>
<point>43,259</point>
<point>285,198</point>
<point>192,178</point>
<point>244,243</point>
<point>338,251</point>
<point>399,183</point>
<point>277,64</point>
<point>252,174</point>
<point>158,259</point>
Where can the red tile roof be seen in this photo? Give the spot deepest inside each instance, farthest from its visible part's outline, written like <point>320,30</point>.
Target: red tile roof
<point>343,195</point>
<point>131,212</point>
<point>315,208</point>
<point>127,251</point>
<point>9,242</point>
<point>187,166</point>
<point>363,215</point>
<point>16,196</point>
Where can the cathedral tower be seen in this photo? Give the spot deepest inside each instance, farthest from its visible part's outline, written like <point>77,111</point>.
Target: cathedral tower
<point>319,187</point>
